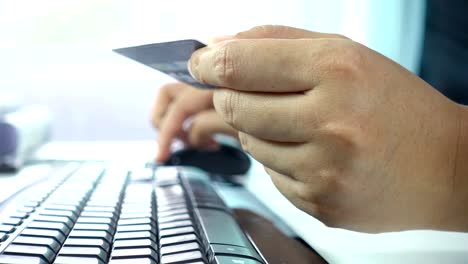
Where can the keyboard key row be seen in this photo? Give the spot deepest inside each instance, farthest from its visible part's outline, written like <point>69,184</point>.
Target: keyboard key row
<point>90,239</point>
<point>178,232</point>
<point>136,238</point>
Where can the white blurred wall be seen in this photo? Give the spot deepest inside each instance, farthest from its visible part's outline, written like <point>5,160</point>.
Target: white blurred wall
<point>58,52</point>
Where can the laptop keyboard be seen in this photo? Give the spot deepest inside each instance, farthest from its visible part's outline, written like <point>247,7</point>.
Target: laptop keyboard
<point>93,213</point>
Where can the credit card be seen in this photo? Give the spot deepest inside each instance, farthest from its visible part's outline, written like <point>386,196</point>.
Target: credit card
<point>168,57</point>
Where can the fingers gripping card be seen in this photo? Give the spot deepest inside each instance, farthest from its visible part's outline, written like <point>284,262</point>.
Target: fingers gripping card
<point>168,57</point>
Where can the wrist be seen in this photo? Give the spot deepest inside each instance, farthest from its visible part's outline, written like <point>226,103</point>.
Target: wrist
<point>460,175</point>
<point>461,165</point>
<point>450,206</point>
<point>462,146</point>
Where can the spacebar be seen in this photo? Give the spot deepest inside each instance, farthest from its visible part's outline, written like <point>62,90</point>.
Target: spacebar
<point>221,228</point>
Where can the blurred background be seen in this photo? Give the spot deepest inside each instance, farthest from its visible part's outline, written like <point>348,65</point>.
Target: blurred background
<point>59,53</point>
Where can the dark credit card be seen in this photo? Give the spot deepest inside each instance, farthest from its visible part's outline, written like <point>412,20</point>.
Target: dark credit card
<point>168,57</point>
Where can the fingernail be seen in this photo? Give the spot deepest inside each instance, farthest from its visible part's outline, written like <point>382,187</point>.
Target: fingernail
<point>192,64</point>
<point>157,160</point>
<point>159,155</point>
<point>161,158</point>
<point>212,146</point>
<point>189,69</point>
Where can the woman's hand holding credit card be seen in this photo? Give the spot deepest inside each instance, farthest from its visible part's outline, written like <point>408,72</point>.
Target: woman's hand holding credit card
<point>345,133</point>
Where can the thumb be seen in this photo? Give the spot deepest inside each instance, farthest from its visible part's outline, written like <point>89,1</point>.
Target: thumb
<point>276,32</point>
<point>282,32</point>
<point>204,125</point>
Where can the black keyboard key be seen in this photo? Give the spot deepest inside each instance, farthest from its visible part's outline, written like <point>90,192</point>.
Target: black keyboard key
<point>178,239</point>
<point>69,214</point>
<point>64,229</point>
<point>109,209</point>
<point>3,236</point>
<point>134,253</point>
<point>221,228</point>
<point>31,203</point>
<point>7,228</point>
<point>210,205</point>
<point>44,233</point>
<point>31,251</point>
<point>137,221</point>
<point>145,196</point>
<point>84,252</point>
<point>103,227</point>
<point>92,242</point>
<point>179,248</point>
<point>174,218</point>
<point>171,201</point>
<point>66,195</point>
<point>170,191</point>
<point>97,203</point>
<point>132,200</point>
<point>91,234</point>
<point>56,219</point>
<point>73,208</point>
<point>135,235</point>
<point>11,221</point>
<point>138,208</point>
<point>12,259</point>
<point>24,209</point>
<point>175,224</point>
<point>136,215</point>
<point>95,220</point>
<point>133,261</point>
<point>173,212</point>
<point>234,251</point>
<point>38,241</point>
<point>133,228</point>
<point>166,174</point>
<point>132,243</point>
<point>162,193</point>
<point>77,260</point>
<point>234,260</point>
<point>163,208</point>
<point>67,202</point>
<point>209,199</point>
<point>21,215</point>
<point>184,257</point>
<point>98,214</point>
<point>176,231</point>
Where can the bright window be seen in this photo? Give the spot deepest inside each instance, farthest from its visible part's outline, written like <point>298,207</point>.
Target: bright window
<point>58,52</point>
